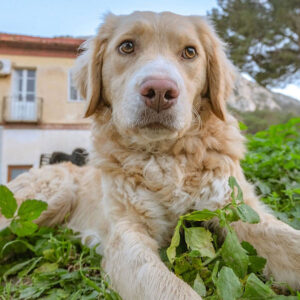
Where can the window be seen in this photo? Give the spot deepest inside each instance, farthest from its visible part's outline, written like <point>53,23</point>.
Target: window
<point>14,171</point>
<point>24,82</point>
<point>74,95</point>
<point>23,106</point>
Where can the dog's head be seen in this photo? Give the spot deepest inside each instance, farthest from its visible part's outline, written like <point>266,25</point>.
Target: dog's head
<point>153,69</point>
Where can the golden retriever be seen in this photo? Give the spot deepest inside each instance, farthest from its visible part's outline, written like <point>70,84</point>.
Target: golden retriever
<point>156,86</point>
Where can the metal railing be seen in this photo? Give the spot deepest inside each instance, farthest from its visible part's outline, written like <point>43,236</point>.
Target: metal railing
<point>14,110</point>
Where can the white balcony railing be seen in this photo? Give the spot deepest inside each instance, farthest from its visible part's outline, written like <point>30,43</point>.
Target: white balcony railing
<point>22,111</point>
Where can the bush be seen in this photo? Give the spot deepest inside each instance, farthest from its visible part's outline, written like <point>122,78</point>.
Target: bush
<point>45,263</point>
<point>272,164</point>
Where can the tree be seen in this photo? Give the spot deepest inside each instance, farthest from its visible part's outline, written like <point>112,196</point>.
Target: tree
<point>263,37</point>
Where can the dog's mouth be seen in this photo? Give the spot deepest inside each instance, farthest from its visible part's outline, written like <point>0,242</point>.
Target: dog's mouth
<point>156,121</point>
<point>154,126</point>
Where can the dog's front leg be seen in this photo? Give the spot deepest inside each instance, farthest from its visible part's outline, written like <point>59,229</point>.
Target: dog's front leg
<point>131,260</point>
<point>278,243</point>
<point>54,184</point>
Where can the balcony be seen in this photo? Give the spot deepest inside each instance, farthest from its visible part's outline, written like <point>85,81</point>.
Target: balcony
<point>15,110</point>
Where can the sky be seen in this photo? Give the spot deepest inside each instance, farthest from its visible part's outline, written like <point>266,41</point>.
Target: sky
<point>81,17</point>
<point>50,18</point>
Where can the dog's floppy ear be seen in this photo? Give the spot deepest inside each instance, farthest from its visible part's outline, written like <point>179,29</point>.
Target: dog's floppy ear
<point>88,66</point>
<point>220,71</point>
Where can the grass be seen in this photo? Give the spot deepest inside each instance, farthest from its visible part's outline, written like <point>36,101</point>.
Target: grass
<point>51,264</point>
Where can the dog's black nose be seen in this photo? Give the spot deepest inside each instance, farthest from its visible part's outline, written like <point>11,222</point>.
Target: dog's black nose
<point>159,94</point>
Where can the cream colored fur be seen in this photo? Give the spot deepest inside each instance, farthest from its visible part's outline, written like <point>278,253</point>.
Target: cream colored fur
<point>139,179</point>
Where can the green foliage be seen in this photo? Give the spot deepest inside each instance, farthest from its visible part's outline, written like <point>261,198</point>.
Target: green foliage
<point>273,165</point>
<point>31,209</point>
<point>232,270</point>
<point>263,37</point>
<point>45,263</point>
<point>21,224</point>
<point>8,203</point>
<point>220,270</point>
<point>228,284</point>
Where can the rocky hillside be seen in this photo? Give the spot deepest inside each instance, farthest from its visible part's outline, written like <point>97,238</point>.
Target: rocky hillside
<point>250,96</point>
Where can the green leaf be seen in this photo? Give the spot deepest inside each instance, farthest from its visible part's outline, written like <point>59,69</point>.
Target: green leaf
<point>234,255</point>
<point>46,268</point>
<point>27,270</point>
<point>59,294</point>
<point>90,282</point>
<point>14,244</point>
<point>49,254</point>
<point>249,248</point>
<point>16,268</point>
<point>198,238</point>
<point>199,286</point>
<point>75,275</point>
<point>243,126</point>
<point>214,272</point>
<point>255,289</point>
<point>171,251</point>
<point>31,209</point>
<point>228,285</point>
<point>187,267</point>
<point>194,253</point>
<point>247,214</point>
<point>264,188</point>
<point>257,263</point>
<point>8,203</point>
<point>181,264</point>
<point>233,184</point>
<point>23,228</point>
<point>32,292</point>
<point>203,215</point>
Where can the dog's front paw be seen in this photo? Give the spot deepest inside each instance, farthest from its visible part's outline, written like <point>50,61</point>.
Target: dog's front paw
<point>284,275</point>
<point>181,291</point>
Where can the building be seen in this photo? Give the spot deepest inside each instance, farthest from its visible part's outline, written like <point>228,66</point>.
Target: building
<point>40,110</point>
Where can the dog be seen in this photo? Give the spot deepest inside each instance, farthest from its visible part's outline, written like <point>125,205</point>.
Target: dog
<point>164,144</point>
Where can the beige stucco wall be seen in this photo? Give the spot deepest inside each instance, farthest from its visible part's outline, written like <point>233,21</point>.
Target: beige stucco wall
<point>51,85</point>
<point>5,83</point>
<point>35,142</point>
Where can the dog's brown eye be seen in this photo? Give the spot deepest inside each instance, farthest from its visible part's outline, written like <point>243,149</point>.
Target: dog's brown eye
<point>126,47</point>
<point>189,52</point>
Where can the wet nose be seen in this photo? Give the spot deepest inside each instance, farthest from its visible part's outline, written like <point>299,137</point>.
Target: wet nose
<point>159,94</point>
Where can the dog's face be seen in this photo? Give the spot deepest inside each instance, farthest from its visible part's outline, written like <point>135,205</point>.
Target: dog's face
<point>153,69</point>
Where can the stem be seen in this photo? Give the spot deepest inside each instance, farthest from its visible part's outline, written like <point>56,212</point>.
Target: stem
<point>208,261</point>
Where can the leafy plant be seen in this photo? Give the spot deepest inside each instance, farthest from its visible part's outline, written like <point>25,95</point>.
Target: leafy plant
<point>273,165</point>
<point>45,263</point>
<point>220,270</point>
<point>51,263</point>
<point>21,223</point>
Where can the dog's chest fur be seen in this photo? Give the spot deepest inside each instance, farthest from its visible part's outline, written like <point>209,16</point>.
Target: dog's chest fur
<point>158,189</point>
<point>176,192</point>
<point>158,183</point>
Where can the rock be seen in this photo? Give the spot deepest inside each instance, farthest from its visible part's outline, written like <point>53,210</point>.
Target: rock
<point>250,96</point>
